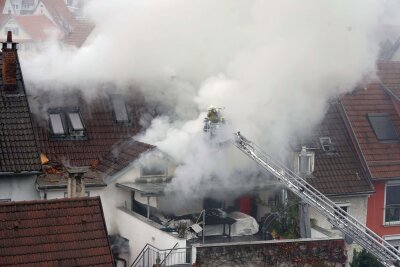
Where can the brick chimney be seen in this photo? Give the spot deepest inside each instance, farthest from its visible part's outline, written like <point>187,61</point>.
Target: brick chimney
<point>9,68</point>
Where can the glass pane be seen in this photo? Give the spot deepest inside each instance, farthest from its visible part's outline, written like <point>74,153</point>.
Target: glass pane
<point>154,170</point>
<point>119,107</point>
<point>56,124</point>
<point>75,121</point>
<point>383,126</point>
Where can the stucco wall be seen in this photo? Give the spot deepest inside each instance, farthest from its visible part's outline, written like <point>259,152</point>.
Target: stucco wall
<point>140,231</point>
<point>18,187</point>
<point>357,208</point>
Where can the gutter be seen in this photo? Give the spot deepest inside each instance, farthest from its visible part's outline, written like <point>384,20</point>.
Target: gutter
<point>23,173</point>
<point>44,187</point>
<point>353,194</point>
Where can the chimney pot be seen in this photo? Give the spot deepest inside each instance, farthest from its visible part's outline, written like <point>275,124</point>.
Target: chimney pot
<point>9,37</point>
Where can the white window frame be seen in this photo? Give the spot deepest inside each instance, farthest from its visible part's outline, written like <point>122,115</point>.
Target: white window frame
<point>392,238</point>
<point>310,154</point>
<point>389,223</point>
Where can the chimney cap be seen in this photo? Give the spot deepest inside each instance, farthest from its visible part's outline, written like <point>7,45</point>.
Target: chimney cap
<point>9,37</point>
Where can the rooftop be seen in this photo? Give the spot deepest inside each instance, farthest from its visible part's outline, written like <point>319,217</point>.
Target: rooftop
<point>340,171</point>
<point>18,148</point>
<point>60,232</point>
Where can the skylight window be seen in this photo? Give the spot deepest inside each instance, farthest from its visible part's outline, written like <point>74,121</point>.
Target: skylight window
<point>119,109</point>
<point>76,122</point>
<point>383,126</point>
<point>327,144</point>
<point>56,124</point>
<point>66,123</point>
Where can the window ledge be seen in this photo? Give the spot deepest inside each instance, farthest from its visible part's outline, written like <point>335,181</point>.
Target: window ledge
<point>389,224</point>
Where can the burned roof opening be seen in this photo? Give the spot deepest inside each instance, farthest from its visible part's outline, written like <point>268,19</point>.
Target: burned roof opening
<point>120,109</point>
<point>383,127</point>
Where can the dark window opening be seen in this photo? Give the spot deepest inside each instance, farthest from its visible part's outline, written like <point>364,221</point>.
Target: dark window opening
<point>120,110</point>
<point>154,170</point>
<point>392,209</point>
<point>383,126</point>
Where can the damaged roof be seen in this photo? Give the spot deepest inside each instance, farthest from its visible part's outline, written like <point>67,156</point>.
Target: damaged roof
<point>18,148</point>
<point>337,172</point>
<point>381,156</point>
<point>101,131</point>
<point>122,155</point>
<point>59,232</point>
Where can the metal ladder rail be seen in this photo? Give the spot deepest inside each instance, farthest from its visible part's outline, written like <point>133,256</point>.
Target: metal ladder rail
<point>346,223</point>
<point>365,240</point>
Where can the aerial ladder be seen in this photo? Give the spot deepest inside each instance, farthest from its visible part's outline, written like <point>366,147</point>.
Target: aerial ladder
<point>351,227</point>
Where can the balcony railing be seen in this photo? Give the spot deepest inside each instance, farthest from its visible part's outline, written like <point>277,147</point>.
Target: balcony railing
<point>392,214</point>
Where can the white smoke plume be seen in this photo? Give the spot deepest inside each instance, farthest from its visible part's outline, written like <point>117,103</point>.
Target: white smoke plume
<point>272,65</point>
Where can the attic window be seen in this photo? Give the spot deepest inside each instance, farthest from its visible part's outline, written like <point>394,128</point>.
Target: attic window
<point>120,111</point>
<point>306,167</point>
<point>66,124</point>
<point>383,126</point>
<point>154,170</point>
<point>327,144</point>
<point>56,124</point>
<point>76,125</point>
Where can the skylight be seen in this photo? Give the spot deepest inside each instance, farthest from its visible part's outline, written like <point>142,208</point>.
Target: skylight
<point>56,124</point>
<point>383,126</point>
<point>327,144</point>
<point>119,108</point>
<point>76,121</point>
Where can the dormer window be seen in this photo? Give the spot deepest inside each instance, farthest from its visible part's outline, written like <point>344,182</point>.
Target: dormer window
<point>120,111</point>
<point>66,124</point>
<point>383,127</point>
<point>327,144</point>
<point>305,162</point>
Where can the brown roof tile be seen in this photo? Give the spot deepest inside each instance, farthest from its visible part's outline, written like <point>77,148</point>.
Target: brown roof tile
<point>62,232</point>
<point>374,99</point>
<point>339,172</point>
<point>101,131</point>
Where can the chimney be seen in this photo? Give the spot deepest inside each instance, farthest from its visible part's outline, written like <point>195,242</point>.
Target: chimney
<point>9,68</point>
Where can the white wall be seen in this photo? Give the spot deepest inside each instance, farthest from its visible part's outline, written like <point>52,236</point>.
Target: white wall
<point>59,193</point>
<point>357,209</point>
<point>140,231</point>
<point>18,187</point>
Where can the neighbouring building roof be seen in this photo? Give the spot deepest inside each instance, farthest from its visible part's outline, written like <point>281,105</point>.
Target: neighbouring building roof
<point>382,157</point>
<point>38,27</point>
<point>101,131</point>
<point>18,147</point>
<point>122,155</point>
<point>80,33</point>
<point>337,172</point>
<point>59,12</point>
<point>59,232</point>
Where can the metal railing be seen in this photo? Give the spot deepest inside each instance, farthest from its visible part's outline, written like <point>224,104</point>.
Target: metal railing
<point>150,255</point>
<point>392,214</point>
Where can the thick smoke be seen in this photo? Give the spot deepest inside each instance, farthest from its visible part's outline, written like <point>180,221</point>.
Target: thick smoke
<point>272,65</point>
